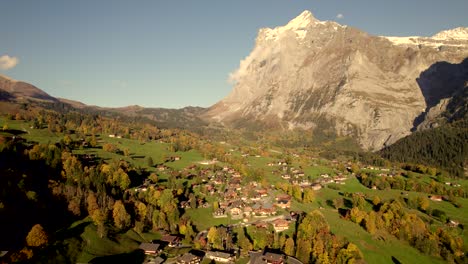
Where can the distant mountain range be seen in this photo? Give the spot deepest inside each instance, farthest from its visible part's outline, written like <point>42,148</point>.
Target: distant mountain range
<point>312,74</point>
<point>320,75</point>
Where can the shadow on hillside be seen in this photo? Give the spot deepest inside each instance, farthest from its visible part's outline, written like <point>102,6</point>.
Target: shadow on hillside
<point>440,81</point>
<point>137,256</point>
<point>14,132</point>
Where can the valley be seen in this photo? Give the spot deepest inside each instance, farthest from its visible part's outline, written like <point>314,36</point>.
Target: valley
<point>334,145</point>
<point>258,196</point>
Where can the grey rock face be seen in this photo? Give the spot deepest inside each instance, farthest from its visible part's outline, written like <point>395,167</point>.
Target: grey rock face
<point>310,70</point>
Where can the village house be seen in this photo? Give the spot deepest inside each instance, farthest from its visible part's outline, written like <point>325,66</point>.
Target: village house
<point>150,248</point>
<point>266,257</point>
<point>436,198</point>
<point>172,241</point>
<point>236,213</point>
<point>273,258</point>
<point>188,258</point>
<point>262,192</point>
<point>316,186</point>
<point>248,211</point>
<point>220,256</point>
<point>219,213</point>
<point>283,201</point>
<point>280,225</point>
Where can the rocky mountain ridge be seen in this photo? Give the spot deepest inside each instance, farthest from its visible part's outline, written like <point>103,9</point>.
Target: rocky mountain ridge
<point>311,72</point>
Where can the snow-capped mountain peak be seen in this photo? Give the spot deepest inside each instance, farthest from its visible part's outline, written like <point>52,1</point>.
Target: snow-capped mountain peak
<point>298,25</point>
<point>459,33</point>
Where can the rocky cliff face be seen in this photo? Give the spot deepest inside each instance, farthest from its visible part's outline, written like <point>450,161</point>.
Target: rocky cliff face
<point>309,72</point>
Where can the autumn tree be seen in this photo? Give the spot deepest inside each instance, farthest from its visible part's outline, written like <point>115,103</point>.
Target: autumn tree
<point>120,215</point>
<point>37,237</point>
<point>309,195</point>
<point>289,247</point>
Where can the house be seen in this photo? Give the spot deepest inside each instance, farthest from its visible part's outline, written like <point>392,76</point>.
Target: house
<point>283,201</point>
<point>273,258</point>
<point>235,212</point>
<point>262,192</point>
<point>280,225</point>
<point>150,248</point>
<point>219,213</point>
<point>266,257</point>
<point>219,256</point>
<point>248,211</point>
<point>173,241</point>
<point>188,258</point>
<point>316,186</point>
<point>157,260</point>
<point>436,198</point>
<point>453,223</point>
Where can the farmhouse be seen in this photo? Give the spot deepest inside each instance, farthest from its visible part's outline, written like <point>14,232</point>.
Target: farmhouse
<point>280,225</point>
<point>150,248</point>
<point>219,256</point>
<point>188,258</point>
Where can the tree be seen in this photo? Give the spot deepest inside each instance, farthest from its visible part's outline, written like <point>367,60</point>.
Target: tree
<point>349,254</point>
<point>376,200</point>
<point>120,215</point>
<point>309,195</point>
<point>37,237</point>
<point>423,203</point>
<point>297,192</point>
<point>141,210</point>
<point>213,237</point>
<point>289,247</point>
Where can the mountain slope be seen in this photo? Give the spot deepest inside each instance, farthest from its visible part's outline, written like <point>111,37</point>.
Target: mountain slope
<point>22,90</point>
<point>309,72</point>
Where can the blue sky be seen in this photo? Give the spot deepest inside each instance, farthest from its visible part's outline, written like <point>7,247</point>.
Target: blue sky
<point>174,53</point>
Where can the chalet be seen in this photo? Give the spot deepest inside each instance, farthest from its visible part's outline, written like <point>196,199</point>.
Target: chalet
<point>219,213</point>
<point>188,258</point>
<point>300,174</point>
<point>150,248</point>
<point>280,225</point>
<point>262,192</point>
<point>264,211</point>
<point>273,258</point>
<point>286,176</point>
<point>304,183</point>
<point>219,256</point>
<point>283,201</point>
<point>453,223</point>
<point>316,186</point>
<point>173,241</point>
<point>235,212</point>
<point>177,158</point>
<point>436,198</point>
<point>248,211</point>
<point>162,167</point>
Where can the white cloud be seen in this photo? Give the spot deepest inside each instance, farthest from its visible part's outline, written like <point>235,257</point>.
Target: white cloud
<point>340,16</point>
<point>7,62</point>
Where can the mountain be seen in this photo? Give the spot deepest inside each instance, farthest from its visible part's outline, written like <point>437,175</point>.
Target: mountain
<point>12,89</point>
<point>15,93</point>
<point>312,74</point>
